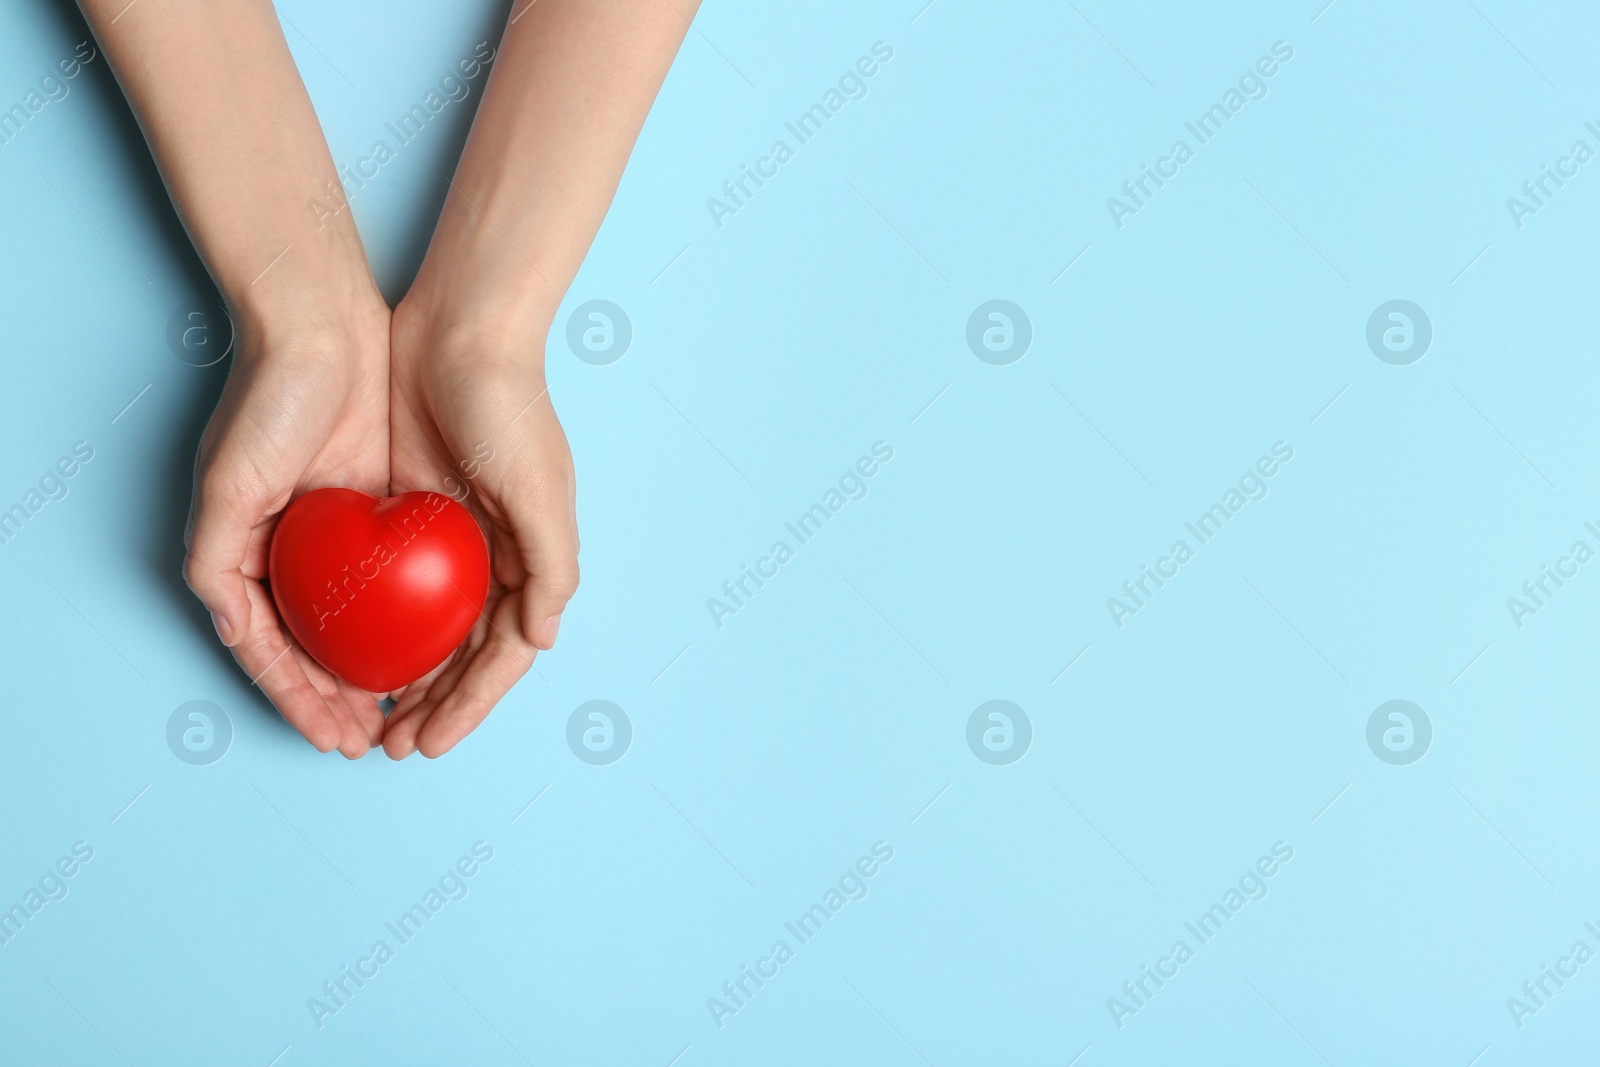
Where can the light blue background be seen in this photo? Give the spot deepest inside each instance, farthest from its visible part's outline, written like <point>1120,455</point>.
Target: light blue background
<point>829,712</point>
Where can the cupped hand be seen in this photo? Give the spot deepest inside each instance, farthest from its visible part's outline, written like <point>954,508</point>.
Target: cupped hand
<point>470,416</point>
<point>306,405</point>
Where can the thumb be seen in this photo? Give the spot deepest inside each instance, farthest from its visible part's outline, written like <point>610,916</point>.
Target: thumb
<point>546,531</point>
<point>221,522</point>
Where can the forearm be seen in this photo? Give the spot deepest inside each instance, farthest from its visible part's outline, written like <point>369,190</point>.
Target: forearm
<point>572,83</point>
<point>217,94</point>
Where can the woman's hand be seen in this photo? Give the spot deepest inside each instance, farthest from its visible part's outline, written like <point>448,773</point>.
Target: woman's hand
<point>470,416</point>
<point>306,405</point>
<point>219,99</point>
<point>233,131</point>
<point>571,85</point>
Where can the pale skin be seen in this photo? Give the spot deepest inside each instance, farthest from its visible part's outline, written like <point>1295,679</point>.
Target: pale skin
<point>328,386</point>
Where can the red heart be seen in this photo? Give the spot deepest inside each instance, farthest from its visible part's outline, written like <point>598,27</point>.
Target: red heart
<point>378,591</point>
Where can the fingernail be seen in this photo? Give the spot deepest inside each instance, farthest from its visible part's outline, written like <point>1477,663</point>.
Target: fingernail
<point>224,628</point>
<point>546,636</point>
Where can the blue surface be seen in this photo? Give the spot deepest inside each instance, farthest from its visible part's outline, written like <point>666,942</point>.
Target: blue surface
<point>1226,718</point>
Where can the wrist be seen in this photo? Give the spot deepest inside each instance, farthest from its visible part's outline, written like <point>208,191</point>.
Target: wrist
<point>340,320</point>
<point>478,315</point>
<point>282,241</point>
<point>492,282</point>
<point>273,270</point>
<point>475,338</point>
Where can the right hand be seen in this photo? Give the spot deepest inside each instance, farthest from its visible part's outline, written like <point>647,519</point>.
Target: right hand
<point>306,405</point>
<point>482,393</point>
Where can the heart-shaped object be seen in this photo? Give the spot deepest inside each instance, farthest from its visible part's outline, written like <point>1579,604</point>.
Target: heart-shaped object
<point>379,591</point>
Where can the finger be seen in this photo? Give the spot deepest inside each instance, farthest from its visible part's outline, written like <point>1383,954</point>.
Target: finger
<point>414,694</point>
<point>355,736</point>
<point>282,678</point>
<point>400,735</point>
<point>290,683</point>
<point>544,525</point>
<point>355,739</point>
<point>359,708</point>
<point>408,695</point>
<point>497,666</point>
<point>411,714</point>
<point>421,696</point>
<point>223,518</point>
<point>364,706</point>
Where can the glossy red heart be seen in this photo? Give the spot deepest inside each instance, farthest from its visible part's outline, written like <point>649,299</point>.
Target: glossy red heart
<point>379,591</point>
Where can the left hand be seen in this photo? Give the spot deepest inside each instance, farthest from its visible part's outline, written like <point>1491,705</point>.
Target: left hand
<point>474,414</point>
